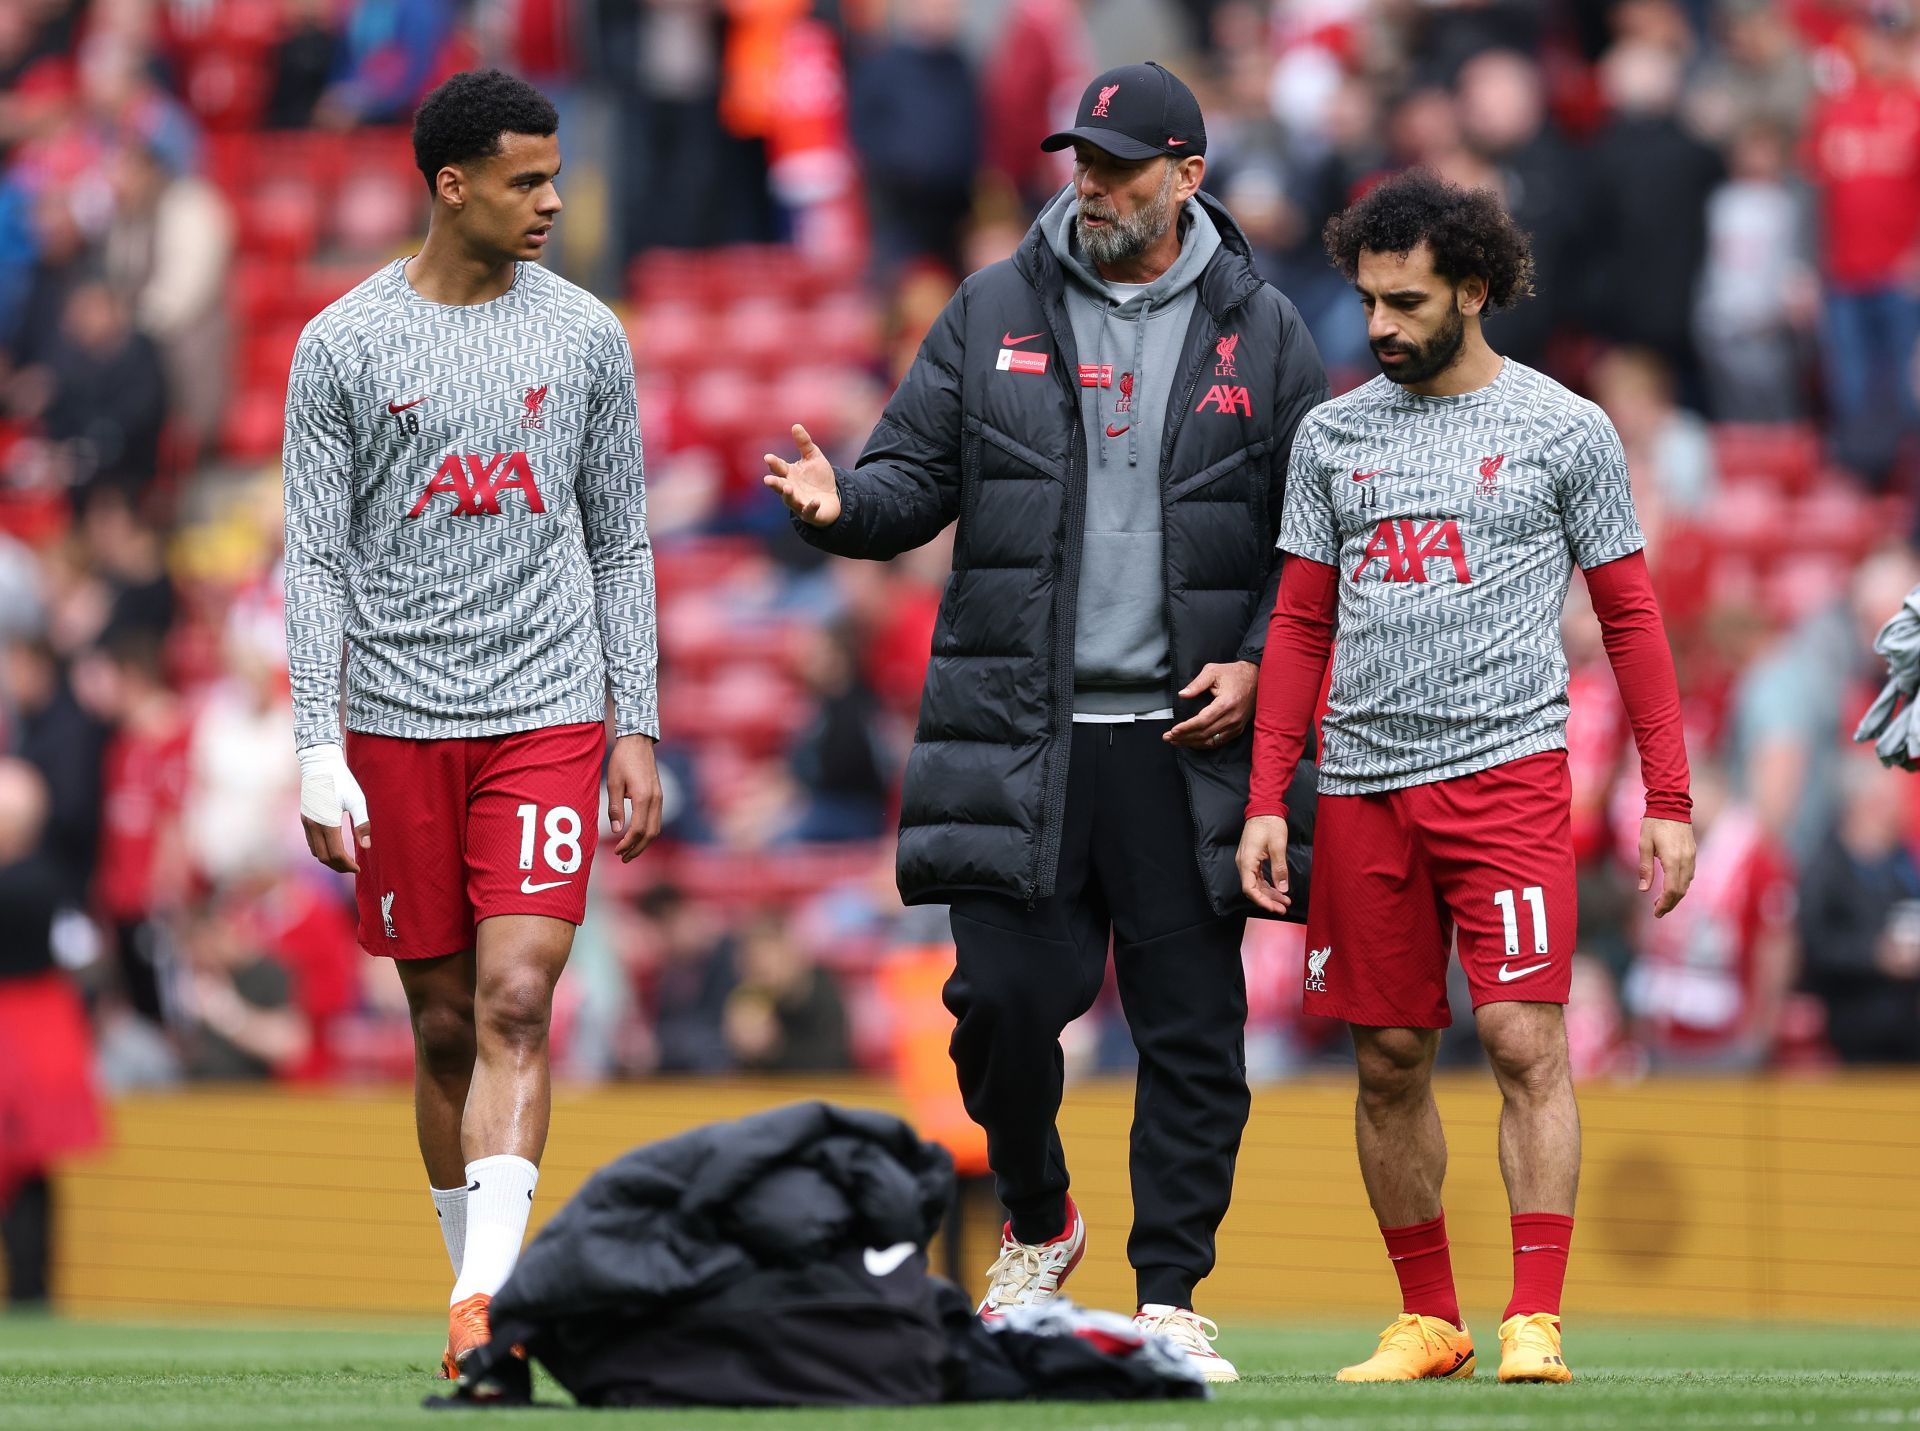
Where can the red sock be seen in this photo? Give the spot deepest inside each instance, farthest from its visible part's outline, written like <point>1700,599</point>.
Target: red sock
<point>1540,1243</point>
<point>1420,1261</point>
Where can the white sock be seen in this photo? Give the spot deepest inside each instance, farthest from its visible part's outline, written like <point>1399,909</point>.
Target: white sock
<point>499,1197</point>
<point>450,1205</point>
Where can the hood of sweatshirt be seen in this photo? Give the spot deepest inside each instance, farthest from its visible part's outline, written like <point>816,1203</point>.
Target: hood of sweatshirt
<point>1121,338</point>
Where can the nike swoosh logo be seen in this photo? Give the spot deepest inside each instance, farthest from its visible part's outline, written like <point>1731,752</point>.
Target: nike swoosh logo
<point>884,1261</point>
<point>1177,143</point>
<point>1542,1247</point>
<point>1013,342</point>
<point>474,1186</point>
<point>1507,976</point>
<point>1362,476</point>
<point>1113,431</point>
<point>529,888</point>
<point>403,406</point>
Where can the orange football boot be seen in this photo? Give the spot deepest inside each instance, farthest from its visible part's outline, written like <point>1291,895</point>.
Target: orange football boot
<point>1414,1348</point>
<point>467,1329</point>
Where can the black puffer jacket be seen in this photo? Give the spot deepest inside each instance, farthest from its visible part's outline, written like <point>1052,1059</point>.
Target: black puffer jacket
<point>1003,451</point>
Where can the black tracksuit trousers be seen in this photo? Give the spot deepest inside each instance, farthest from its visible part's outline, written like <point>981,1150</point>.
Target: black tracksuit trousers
<point>1128,873</point>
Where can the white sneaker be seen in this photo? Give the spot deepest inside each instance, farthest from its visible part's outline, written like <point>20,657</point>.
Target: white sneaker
<point>1027,1273</point>
<point>1192,1333</point>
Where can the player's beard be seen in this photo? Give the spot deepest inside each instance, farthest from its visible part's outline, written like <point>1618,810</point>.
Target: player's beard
<point>1429,359</point>
<point>1128,238</point>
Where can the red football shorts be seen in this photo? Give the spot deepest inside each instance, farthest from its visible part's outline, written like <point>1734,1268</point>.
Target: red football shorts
<point>1483,862</point>
<point>469,828</point>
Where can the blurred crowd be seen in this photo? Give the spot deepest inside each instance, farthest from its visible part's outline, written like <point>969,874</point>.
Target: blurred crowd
<point>778,197</point>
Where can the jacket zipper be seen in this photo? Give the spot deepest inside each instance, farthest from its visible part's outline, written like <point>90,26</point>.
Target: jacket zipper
<point>1176,420</point>
<point>1053,807</point>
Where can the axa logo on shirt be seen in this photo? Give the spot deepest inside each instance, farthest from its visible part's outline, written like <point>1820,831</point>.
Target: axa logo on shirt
<point>477,482</point>
<point>1224,398</point>
<point>1404,547</point>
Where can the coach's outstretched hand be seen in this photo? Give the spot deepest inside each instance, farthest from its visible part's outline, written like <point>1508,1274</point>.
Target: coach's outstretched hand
<point>633,794</point>
<point>1671,843</point>
<point>1262,859</point>
<point>807,486</point>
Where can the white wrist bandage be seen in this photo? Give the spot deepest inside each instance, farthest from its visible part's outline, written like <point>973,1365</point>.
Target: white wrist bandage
<point>327,787</point>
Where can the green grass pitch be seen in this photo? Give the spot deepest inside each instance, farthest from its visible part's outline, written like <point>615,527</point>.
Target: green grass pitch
<point>86,1376</point>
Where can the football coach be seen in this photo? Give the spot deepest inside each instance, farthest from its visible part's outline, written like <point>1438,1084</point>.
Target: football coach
<point>1107,415</point>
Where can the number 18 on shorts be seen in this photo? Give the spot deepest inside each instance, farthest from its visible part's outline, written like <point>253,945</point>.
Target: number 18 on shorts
<point>466,829</point>
<point>1482,863</point>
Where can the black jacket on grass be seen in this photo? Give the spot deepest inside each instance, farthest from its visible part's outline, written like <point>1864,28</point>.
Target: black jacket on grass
<point>974,436</point>
<point>779,1260</point>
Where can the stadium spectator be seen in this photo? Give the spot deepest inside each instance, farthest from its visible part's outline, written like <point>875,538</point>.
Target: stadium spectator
<point>61,258</point>
<point>1648,182</point>
<point>241,784</point>
<point>838,756</point>
<point>1030,83</point>
<point>169,251</point>
<point>1863,155</point>
<point>687,180</point>
<point>127,586</point>
<point>1599,1040</point>
<point>786,1014</point>
<point>1711,978</point>
<point>102,395</point>
<point>53,732</point>
<point>305,58</point>
<point>1761,74</point>
<point>915,123</point>
<point>688,981</point>
<point>1503,118</point>
<point>1758,292</point>
<point>47,1105</point>
<point>1860,920</point>
<point>390,55</point>
<point>238,1020</point>
<point>142,876</point>
<point>1669,448</point>
<point>1792,708</point>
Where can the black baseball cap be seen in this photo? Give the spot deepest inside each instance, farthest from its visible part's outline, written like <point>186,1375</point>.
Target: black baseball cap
<point>1136,112</point>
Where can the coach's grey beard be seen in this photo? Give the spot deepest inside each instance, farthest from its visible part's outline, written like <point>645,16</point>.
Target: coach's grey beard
<point>1126,238</point>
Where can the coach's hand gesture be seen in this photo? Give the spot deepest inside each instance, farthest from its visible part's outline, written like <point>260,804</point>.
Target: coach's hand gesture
<point>1233,684</point>
<point>1671,843</point>
<point>806,486</point>
<point>1262,859</point>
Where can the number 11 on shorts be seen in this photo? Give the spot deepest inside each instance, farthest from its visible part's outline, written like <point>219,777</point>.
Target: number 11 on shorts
<point>562,851</point>
<point>1537,901</point>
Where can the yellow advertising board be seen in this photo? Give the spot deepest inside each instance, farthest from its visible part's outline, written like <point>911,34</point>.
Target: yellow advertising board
<point>1771,1199</point>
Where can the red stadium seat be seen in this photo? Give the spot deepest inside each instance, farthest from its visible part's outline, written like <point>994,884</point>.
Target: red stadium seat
<point>253,425</point>
<point>1785,456</point>
<point>280,218</point>
<point>763,334</point>
<point>741,706</point>
<point>844,328</point>
<point>267,356</point>
<point>264,294</point>
<point>687,568</point>
<point>673,339</point>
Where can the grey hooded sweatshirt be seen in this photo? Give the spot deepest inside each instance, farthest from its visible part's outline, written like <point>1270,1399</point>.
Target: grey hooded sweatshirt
<point>1129,347</point>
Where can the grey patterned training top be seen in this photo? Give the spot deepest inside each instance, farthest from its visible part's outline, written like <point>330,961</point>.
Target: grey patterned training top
<point>1455,523</point>
<point>466,506</point>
